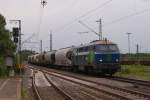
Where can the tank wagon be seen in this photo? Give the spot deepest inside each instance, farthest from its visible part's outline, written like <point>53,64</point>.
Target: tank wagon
<point>33,59</point>
<point>49,58</point>
<point>63,57</point>
<point>29,59</point>
<point>101,56</point>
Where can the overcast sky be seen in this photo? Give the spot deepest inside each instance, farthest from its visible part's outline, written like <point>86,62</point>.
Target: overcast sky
<point>62,16</point>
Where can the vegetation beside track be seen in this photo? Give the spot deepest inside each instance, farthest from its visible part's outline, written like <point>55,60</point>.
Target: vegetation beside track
<point>138,58</point>
<point>135,57</point>
<point>24,95</point>
<point>7,47</point>
<point>135,71</point>
<point>3,68</point>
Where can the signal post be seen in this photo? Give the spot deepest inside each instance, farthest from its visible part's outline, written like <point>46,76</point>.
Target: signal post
<point>17,39</point>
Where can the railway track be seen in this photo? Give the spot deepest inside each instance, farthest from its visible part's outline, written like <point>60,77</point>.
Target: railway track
<point>117,92</point>
<point>67,96</point>
<point>144,85</point>
<point>35,90</point>
<point>38,96</point>
<point>133,81</point>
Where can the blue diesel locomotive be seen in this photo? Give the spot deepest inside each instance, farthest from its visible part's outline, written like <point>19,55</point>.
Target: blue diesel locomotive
<point>99,56</point>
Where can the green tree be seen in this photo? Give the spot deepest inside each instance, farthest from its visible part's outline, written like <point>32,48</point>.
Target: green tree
<point>7,47</point>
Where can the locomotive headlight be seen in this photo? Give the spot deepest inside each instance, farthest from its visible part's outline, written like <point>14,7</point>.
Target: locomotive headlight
<point>100,60</point>
<point>117,60</point>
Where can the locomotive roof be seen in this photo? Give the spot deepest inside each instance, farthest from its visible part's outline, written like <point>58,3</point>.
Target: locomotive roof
<point>102,42</point>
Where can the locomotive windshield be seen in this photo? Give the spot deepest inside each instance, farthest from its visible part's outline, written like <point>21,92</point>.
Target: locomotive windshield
<point>107,47</point>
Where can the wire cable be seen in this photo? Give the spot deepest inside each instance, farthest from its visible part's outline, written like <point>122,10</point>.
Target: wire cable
<point>127,16</point>
<point>85,14</point>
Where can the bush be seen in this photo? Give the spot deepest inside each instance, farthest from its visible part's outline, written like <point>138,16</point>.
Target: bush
<point>3,71</point>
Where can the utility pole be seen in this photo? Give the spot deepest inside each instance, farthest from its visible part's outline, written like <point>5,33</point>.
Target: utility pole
<point>41,46</point>
<point>129,42</point>
<point>100,28</point>
<point>51,41</point>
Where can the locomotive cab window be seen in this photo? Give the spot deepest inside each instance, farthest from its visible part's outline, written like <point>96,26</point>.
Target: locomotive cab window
<point>91,48</point>
<point>107,47</point>
<point>113,47</point>
<point>85,49</point>
<point>80,49</point>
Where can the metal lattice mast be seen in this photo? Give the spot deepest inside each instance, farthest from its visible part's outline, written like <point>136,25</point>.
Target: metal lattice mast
<point>129,48</point>
<point>100,28</point>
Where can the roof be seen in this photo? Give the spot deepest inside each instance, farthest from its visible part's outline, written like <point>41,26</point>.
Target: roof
<point>96,42</point>
<point>102,42</point>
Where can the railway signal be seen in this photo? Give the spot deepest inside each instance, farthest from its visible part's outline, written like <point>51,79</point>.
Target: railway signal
<point>15,34</point>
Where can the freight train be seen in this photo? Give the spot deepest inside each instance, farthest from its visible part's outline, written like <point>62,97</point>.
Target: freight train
<point>100,56</point>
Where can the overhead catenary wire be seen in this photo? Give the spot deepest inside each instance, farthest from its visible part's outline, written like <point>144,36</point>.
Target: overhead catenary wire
<point>28,39</point>
<point>127,16</point>
<point>88,27</point>
<point>85,14</point>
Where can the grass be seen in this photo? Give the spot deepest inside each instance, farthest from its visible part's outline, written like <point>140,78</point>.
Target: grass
<point>135,71</point>
<point>24,95</point>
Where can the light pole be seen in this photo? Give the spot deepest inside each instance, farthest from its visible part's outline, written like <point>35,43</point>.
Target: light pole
<point>129,48</point>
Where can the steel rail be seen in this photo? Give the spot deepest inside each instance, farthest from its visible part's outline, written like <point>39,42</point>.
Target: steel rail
<point>68,97</point>
<point>133,81</point>
<point>38,97</point>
